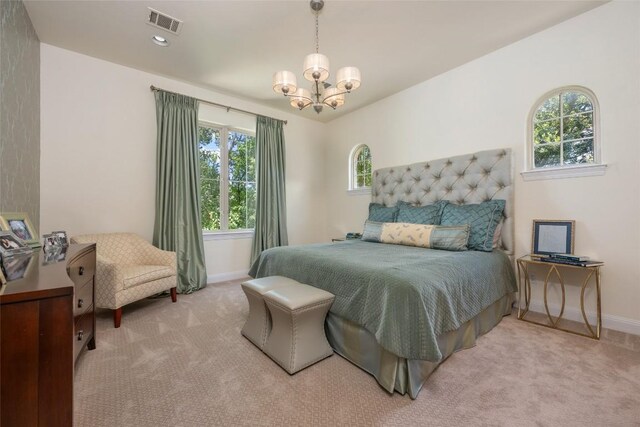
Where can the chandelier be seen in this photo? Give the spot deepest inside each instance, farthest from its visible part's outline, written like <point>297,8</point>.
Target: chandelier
<point>316,70</point>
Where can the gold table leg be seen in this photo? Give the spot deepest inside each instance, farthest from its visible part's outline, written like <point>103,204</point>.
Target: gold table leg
<point>594,334</point>
<point>546,305</point>
<point>524,286</point>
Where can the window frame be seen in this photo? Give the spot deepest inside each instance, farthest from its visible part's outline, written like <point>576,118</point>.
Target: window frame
<point>532,173</point>
<point>225,233</point>
<point>353,170</point>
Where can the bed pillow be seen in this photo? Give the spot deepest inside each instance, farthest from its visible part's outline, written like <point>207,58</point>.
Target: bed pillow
<point>380,213</point>
<point>372,231</point>
<point>483,219</point>
<point>450,238</point>
<point>429,214</point>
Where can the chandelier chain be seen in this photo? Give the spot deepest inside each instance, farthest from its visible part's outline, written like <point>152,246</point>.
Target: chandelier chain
<point>317,32</point>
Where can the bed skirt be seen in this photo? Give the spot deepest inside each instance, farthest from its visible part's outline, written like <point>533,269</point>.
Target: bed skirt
<point>392,372</point>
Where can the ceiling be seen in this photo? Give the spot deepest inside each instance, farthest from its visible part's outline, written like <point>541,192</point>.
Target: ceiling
<point>234,47</point>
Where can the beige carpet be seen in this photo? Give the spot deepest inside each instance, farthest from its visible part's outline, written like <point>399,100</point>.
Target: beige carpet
<point>186,364</point>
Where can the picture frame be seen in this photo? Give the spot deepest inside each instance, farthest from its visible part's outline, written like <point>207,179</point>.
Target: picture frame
<point>17,266</point>
<point>21,225</point>
<point>62,237</point>
<point>552,237</point>
<point>11,245</point>
<point>54,254</point>
<point>50,242</point>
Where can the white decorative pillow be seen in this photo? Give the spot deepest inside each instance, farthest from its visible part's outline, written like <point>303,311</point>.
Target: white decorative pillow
<point>408,234</point>
<point>451,238</point>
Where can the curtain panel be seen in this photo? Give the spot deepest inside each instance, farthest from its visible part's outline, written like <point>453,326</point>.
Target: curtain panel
<point>271,216</point>
<point>177,222</point>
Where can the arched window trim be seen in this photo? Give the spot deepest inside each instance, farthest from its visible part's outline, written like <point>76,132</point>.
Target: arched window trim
<point>567,171</point>
<point>353,157</point>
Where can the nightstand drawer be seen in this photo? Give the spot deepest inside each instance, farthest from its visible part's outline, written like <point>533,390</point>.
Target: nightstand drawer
<point>82,298</point>
<point>82,332</point>
<point>82,268</point>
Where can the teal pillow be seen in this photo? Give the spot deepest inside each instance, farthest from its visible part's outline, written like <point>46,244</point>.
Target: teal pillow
<point>379,213</point>
<point>450,238</point>
<point>429,214</point>
<point>483,219</point>
<point>372,231</point>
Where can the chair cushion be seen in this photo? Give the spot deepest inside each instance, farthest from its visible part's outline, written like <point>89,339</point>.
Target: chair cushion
<point>135,275</point>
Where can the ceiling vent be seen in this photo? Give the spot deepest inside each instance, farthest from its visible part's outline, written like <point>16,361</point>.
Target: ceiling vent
<point>164,21</point>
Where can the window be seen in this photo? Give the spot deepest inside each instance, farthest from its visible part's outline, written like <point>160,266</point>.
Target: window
<point>360,169</point>
<point>227,178</point>
<point>563,133</point>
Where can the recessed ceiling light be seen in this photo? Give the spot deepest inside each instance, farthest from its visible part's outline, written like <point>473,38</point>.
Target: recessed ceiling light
<point>160,41</point>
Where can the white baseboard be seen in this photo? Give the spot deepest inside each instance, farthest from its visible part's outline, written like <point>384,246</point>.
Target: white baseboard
<point>225,277</point>
<point>609,321</point>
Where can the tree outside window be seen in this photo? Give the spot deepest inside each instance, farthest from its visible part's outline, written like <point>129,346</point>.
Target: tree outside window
<point>361,168</point>
<point>563,130</point>
<point>227,178</point>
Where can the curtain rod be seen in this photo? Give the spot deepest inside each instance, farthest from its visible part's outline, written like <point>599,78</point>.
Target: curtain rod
<point>227,107</point>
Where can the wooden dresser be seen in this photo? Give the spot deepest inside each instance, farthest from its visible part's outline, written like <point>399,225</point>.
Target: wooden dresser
<point>46,319</point>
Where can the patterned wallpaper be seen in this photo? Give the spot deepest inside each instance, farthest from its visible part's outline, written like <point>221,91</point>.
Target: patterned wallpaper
<point>19,112</point>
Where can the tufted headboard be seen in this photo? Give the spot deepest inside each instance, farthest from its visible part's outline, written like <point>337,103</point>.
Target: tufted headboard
<point>470,178</point>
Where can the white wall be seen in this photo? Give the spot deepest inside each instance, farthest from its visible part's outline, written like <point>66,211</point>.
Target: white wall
<point>98,145</point>
<point>484,104</point>
<point>98,154</point>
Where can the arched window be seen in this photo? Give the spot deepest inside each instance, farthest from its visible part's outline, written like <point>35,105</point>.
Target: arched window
<point>360,168</point>
<point>563,132</point>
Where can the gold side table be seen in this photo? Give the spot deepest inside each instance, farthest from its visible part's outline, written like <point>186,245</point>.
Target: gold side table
<point>524,287</point>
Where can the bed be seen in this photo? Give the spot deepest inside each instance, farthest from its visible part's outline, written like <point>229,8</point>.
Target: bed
<point>400,311</point>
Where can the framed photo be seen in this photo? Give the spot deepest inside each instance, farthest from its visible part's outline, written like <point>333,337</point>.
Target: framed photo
<point>62,237</point>
<point>55,254</point>
<point>10,244</point>
<point>16,267</point>
<point>552,236</point>
<point>20,224</point>
<point>51,242</point>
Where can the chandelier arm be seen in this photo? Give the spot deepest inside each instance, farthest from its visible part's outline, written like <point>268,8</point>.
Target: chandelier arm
<point>305,104</point>
<point>327,102</point>
<point>292,95</point>
<point>329,105</point>
<point>338,94</point>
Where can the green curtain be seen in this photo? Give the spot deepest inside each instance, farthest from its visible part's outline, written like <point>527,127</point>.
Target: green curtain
<point>271,217</point>
<point>177,224</point>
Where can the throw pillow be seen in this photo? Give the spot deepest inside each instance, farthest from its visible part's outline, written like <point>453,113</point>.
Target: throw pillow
<point>421,235</point>
<point>380,213</point>
<point>429,214</point>
<point>483,219</point>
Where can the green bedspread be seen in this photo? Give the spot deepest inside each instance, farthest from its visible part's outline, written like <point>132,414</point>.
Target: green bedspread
<point>405,296</point>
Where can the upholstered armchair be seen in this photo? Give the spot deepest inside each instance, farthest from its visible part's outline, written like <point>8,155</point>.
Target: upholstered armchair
<point>129,269</point>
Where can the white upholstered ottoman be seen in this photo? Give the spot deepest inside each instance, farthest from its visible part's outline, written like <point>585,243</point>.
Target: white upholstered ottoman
<point>258,324</point>
<point>297,338</point>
